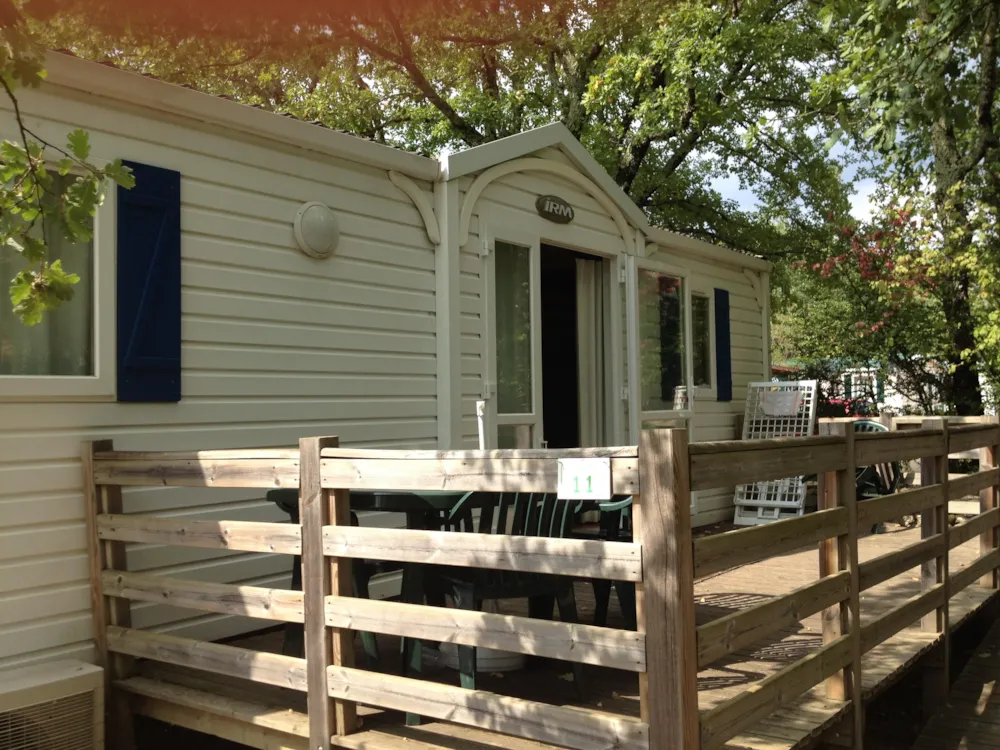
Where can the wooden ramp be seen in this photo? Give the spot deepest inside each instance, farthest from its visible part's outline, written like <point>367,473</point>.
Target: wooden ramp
<point>971,718</point>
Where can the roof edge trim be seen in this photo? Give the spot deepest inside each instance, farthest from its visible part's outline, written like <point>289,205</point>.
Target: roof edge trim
<point>699,249</point>
<point>131,88</point>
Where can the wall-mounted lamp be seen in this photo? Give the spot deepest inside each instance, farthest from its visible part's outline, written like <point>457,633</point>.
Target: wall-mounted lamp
<point>316,230</point>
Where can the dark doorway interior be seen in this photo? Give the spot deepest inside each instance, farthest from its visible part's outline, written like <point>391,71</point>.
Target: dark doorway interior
<point>560,378</point>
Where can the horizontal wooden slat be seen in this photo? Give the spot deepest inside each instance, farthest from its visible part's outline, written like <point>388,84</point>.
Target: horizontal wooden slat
<point>727,447</point>
<point>882,628</point>
<point>628,451</point>
<point>898,445</point>
<point>263,473</point>
<point>235,454</point>
<point>245,536</point>
<point>256,714</point>
<point>463,475</point>
<point>727,719</point>
<point>256,666</point>
<point>892,564</point>
<point>899,504</point>
<point>228,599</point>
<point>609,647</point>
<point>567,727</point>
<point>721,551</point>
<point>616,561</point>
<point>971,484</point>
<point>973,527</point>
<point>971,437</point>
<point>727,634</point>
<point>908,422</point>
<point>798,456</point>
<point>974,571</point>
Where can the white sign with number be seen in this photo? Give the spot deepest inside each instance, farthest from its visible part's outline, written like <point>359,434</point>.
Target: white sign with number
<point>584,479</point>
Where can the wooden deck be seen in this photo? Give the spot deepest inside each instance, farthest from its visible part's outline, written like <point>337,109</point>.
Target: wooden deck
<point>971,718</point>
<point>801,722</point>
<point>232,707</point>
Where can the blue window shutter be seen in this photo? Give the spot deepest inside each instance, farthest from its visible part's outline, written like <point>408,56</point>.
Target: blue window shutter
<point>149,286</point>
<point>723,348</point>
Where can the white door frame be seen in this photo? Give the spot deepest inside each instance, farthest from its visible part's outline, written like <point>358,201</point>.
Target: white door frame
<point>497,223</point>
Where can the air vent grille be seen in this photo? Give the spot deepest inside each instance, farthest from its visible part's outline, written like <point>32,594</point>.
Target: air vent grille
<point>65,723</point>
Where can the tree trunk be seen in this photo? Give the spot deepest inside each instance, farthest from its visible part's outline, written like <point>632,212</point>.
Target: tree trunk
<point>966,397</point>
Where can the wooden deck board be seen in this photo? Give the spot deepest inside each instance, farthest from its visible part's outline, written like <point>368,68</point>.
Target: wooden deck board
<point>797,725</point>
<point>971,718</point>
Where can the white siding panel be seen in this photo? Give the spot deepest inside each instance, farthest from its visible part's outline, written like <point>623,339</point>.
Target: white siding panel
<point>712,419</point>
<point>275,346</point>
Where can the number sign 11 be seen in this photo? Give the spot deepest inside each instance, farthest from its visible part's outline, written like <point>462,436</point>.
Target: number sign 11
<point>584,479</point>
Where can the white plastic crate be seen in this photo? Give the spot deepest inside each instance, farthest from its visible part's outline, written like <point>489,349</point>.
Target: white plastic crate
<point>775,410</point>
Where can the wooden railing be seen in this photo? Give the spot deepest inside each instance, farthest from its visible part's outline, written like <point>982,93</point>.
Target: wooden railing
<point>662,561</point>
<point>833,456</point>
<point>327,543</point>
<point>106,471</point>
<point>668,687</point>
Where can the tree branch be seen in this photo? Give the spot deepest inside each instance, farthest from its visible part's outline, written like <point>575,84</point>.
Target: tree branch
<point>987,89</point>
<point>406,61</point>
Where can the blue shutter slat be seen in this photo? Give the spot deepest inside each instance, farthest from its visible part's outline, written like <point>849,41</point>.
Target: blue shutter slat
<point>723,348</point>
<point>149,286</point>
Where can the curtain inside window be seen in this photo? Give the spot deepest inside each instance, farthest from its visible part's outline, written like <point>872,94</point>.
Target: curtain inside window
<point>63,343</point>
<point>661,342</point>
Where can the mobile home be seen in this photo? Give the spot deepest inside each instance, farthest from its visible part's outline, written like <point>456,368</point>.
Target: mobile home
<point>269,279</point>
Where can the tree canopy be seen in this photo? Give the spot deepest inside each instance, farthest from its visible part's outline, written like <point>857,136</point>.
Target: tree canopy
<point>923,83</point>
<point>668,95</point>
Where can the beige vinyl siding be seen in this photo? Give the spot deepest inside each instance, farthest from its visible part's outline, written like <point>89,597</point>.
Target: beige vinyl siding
<point>275,346</point>
<point>713,419</point>
<point>473,335</point>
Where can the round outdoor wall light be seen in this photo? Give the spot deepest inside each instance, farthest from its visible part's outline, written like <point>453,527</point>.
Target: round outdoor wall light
<point>316,230</point>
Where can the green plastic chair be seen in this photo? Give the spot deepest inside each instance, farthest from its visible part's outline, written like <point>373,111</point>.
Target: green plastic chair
<point>516,514</point>
<point>615,525</point>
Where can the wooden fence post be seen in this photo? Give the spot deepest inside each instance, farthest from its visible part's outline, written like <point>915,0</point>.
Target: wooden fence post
<point>319,507</point>
<point>989,539</point>
<point>107,610</point>
<point>837,554</point>
<point>668,689</point>
<point>934,470</point>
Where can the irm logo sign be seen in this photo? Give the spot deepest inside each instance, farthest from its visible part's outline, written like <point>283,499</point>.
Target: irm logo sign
<point>554,208</point>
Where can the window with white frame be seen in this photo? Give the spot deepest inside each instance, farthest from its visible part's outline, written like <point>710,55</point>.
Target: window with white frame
<point>63,343</point>
<point>662,355</point>
<point>71,353</point>
<point>701,340</point>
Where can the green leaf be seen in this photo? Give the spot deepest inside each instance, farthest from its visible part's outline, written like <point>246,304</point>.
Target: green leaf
<point>20,288</point>
<point>34,250</point>
<point>121,174</point>
<point>13,153</point>
<point>59,283</point>
<point>79,144</point>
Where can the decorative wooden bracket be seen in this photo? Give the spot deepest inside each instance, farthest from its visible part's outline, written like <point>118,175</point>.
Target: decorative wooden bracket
<point>758,289</point>
<point>421,201</point>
